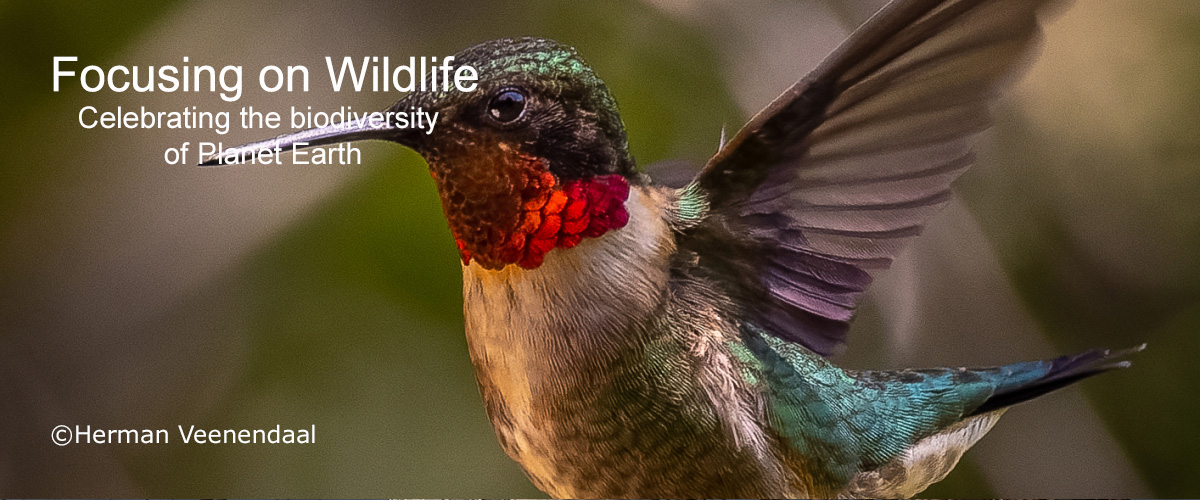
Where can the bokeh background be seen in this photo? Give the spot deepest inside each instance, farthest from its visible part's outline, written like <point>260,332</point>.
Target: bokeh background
<point>135,294</point>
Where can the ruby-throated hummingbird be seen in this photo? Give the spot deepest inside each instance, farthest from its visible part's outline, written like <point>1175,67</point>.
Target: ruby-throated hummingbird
<point>636,340</point>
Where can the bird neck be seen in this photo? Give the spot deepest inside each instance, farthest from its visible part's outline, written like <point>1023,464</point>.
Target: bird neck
<point>579,298</point>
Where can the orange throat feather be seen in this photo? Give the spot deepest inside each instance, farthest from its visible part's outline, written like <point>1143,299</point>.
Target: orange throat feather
<point>510,209</point>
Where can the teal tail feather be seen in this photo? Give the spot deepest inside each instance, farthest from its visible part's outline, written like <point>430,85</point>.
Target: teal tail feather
<point>1024,381</point>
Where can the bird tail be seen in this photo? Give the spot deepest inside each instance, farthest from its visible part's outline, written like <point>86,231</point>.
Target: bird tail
<point>1024,381</point>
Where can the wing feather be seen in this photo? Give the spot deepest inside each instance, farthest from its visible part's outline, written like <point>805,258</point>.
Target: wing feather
<point>834,176</point>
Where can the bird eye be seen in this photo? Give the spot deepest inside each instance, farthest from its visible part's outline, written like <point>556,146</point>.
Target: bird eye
<point>507,106</point>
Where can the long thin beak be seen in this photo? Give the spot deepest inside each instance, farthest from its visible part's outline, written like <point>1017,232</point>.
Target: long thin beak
<point>354,130</point>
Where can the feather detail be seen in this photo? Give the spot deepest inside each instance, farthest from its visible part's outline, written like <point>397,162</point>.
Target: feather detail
<point>829,181</point>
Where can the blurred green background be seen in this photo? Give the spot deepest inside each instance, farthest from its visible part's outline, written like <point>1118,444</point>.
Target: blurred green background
<point>135,294</point>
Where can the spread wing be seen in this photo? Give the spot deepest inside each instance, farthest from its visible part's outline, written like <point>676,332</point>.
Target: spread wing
<point>825,184</point>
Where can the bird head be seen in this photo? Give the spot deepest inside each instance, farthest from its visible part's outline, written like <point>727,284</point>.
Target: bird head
<point>533,159</point>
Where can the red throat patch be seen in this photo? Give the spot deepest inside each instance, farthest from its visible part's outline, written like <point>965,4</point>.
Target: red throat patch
<point>548,214</point>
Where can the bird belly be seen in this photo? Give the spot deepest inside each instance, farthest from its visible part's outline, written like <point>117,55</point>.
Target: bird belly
<point>622,433</point>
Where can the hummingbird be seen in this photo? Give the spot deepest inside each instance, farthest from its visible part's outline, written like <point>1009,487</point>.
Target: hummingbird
<point>635,339</point>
